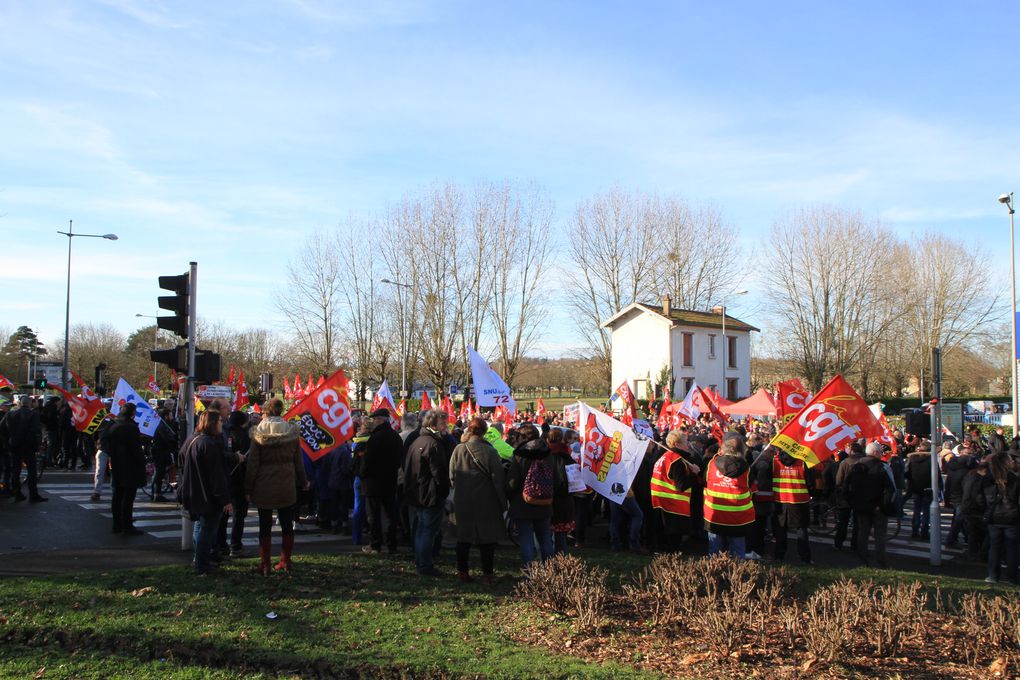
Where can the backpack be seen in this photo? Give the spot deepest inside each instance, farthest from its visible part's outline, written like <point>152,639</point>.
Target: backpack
<point>538,484</point>
<point>867,488</point>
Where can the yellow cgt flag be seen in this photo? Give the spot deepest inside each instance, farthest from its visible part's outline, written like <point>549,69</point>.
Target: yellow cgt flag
<point>199,406</point>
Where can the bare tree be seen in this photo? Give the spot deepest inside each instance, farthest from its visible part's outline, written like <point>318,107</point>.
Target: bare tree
<point>310,299</point>
<point>952,301</point>
<point>522,220</point>
<point>611,245</point>
<point>826,282</point>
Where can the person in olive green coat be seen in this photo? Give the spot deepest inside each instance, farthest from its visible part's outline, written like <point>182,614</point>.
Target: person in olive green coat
<point>479,498</point>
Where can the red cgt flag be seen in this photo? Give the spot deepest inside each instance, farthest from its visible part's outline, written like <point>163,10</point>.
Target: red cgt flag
<point>664,416</point>
<point>792,398</point>
<point>539,408</point>
<point>323,417</point>
<point>836,416</point>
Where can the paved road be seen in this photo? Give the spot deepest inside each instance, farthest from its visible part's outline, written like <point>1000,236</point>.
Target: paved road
<point>71,533</point>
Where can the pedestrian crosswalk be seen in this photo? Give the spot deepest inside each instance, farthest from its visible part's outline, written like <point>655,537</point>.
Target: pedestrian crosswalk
<point>163,520</point>
<point>901,544</point>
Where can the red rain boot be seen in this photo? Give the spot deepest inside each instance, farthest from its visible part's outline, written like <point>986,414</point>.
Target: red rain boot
<point>265,552</point>
<point>288,545</point>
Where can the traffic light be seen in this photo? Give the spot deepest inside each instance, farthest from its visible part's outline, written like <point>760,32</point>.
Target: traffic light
<point>176,359</point>
<point>207,366</point>
<point>178,304</point>
<point>40,383</point>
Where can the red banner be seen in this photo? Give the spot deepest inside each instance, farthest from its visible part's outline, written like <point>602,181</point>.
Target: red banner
<point>836,416</point>
<point>791,399</point>
<point>426,403</point>
<point>664,417</point>
<point>324,417</point>
<point>86,414</point>
<point>628,397</point>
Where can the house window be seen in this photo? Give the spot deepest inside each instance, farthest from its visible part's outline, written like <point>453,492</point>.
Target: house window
<point>711,346</point>
<point>731,388</point>
<point>731,351</point>
<point>688,384</point>
<point>688,349</point>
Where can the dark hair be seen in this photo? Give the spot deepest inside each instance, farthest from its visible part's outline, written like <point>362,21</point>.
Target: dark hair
<point>477,427</point>
<point>555,435</point>
<point>273,407</point>
<point>127,411</point>
<point>208,422</point>
<point>998,467</point>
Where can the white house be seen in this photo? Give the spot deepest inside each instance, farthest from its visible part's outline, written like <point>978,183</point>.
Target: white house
<point>647,337</point>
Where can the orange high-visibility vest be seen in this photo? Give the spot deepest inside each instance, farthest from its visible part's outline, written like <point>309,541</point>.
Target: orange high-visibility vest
<point>788,481</point>
<point>665,494</point>
<point>727,499</point>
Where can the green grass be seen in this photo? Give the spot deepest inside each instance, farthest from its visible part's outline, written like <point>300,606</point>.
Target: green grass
<point>345,615</point>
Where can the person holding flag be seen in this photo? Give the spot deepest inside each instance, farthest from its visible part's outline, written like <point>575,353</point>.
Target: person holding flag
<point>123,444</point>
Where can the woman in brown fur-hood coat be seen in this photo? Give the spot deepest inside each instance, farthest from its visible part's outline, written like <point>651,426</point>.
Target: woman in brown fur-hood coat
<point>274,467</point>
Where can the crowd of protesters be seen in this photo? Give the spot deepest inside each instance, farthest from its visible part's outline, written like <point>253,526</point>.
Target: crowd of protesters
<point>695,490</point>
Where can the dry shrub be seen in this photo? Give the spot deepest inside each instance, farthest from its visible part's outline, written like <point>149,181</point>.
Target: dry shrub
<point>894,612</point>
<point>567,585</point>
<point>991,627</point>
<point>833,616</point>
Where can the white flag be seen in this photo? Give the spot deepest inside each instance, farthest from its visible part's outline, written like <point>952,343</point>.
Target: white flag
<point>611,453</point>
<point>490,390</point>
<point>145,415</point>
<point>687,407</point>
<point>383,398</point>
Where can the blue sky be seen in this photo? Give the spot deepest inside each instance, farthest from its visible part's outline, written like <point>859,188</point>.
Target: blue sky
<point>222,132</point>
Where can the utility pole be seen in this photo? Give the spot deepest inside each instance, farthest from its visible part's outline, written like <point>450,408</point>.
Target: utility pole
<point>935,516</point>
<point>187,526</point>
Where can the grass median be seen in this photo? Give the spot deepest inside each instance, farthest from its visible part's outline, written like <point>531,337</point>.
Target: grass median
<point>337,615</point>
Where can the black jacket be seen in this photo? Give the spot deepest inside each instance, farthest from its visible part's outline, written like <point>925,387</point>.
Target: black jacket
<point>427,471</point>
<point>205,487</point>
<point>524,455</point>
<point>123,443</point>
<point>381,461</point>
<point>956,470</point>
<point>22,430</point>
<point>1001,506</point>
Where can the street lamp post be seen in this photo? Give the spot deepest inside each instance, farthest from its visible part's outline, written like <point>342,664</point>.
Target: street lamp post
<point>155,341</point>
<point>403,339</point>
<point>67,307</point>
<point>1007,200</point>
<point>722,312</point>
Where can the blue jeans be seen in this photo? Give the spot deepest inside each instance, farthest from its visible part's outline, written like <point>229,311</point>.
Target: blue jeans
<point>734,545</point>
<point>629,509</point>
<point>203,538</point>
<point>358,521</point>
<point>427,522</point>
<point>1002,538</point>
<point>531,530</point>
<point>920,524</point>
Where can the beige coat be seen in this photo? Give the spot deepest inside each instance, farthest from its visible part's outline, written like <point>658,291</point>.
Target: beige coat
<point>479,499</point>
<point>274,469</point>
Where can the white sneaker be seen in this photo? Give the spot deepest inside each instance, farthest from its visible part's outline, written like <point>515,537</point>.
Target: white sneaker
<point>752,555</point>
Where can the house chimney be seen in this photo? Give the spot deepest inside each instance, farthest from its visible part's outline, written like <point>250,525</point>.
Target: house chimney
<point>666,304</point>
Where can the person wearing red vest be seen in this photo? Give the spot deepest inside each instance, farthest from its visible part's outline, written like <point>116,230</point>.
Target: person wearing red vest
<point>791,482</point>
<point>762,496</point>
<point>729,510</point>
<point>673,476</point>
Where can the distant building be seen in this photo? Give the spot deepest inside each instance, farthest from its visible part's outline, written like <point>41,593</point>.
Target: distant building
<point>648,337</point>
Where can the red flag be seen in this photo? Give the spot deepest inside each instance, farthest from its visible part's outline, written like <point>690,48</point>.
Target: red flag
<point>298,391</point>
<point>628,397</point>
<point>321,380</point>
<point>448,407</point>
<point>231,375</point>
<point>627,419</point>
<point>324,417</point>
<point>426,403</point>
<point>713,408</point>
<point>86,415</point>
<point>717,432</point>
<point>664,416</point>
<point>402,408</point>
<point>837,415</point>
<point>792,398</point>
<point>256,408</point>
<point>540,408</point>
<point>86,393</point>
<point>240,394</point>
<point>153,387</point>
<point>286,389</point>
<point>310,386</point>
<point>4,382</point>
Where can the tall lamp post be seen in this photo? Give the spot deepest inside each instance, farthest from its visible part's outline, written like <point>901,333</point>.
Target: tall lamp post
<point>67,308</point>
<point>1007,200</point>
<point>722,313</point>
<point>155,341</point>
<point>403,333</point>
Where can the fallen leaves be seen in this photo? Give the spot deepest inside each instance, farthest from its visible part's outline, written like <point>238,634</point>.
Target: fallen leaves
<point>143,591</point>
